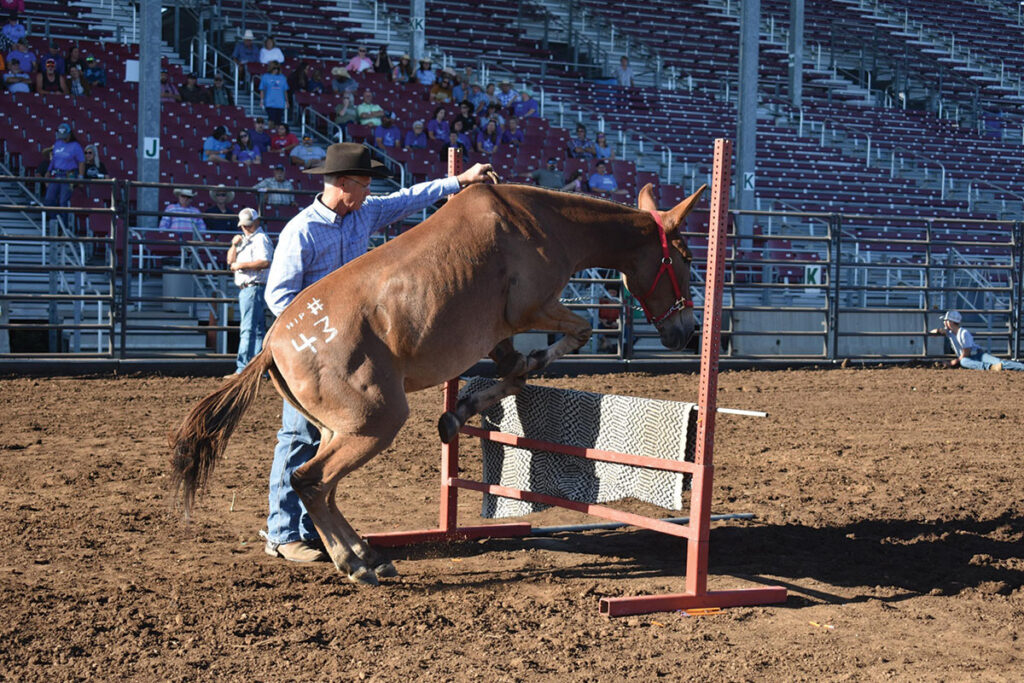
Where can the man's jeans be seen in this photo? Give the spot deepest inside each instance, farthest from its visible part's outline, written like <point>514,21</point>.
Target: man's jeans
<point>297,442</point>
<point>983,360</point>
<point>252,326</point>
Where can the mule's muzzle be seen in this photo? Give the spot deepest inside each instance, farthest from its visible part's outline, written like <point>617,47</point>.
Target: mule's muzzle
<point>676,332</point>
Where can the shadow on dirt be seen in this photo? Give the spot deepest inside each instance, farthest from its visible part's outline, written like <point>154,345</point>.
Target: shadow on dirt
<point>913,557</point>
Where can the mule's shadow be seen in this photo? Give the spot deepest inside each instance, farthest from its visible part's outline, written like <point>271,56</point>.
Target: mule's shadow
<point>912,557</point>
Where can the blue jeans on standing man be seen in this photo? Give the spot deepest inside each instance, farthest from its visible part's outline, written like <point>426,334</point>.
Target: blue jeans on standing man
<point>297,442</point>
<point>983,360</point>
<point>252,326</point>
<point>59,194</point>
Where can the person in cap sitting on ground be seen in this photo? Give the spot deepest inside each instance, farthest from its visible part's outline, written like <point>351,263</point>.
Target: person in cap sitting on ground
<point>968,354</point>
<point>331,231</point>
<point>217,147</point>
<point>307,155</point>
<point>245,51</point>
<point>182,217</point>
<point>249,257</point>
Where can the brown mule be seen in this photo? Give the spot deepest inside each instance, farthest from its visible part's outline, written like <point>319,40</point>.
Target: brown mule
<point>423,308</point>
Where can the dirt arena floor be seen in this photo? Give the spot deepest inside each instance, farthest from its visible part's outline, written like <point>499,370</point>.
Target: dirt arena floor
<point>888,501</point>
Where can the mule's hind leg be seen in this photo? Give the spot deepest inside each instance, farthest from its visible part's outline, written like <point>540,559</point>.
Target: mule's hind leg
<point>507,359</point>
<point>316,481</point>
<point>375,560</point>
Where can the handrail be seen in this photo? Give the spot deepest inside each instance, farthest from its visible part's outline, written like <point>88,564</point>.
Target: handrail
<point>1000,188</point>
<point>892,166</point>
<point>204,45</point>
<point>333,129</point>
<point>848,129</point>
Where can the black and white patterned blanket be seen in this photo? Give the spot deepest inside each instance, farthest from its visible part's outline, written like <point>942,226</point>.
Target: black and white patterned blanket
<point>641,426</point>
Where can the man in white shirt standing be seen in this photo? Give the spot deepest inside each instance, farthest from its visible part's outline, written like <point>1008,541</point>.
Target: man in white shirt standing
<point>249,257</point>
<point>968,354</point>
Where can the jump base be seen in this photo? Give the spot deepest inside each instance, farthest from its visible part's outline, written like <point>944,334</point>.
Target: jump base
<point>646,604</point>
<point>391,539</point>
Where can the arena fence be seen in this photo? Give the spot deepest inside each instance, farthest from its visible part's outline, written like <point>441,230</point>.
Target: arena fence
<point>101,280</point>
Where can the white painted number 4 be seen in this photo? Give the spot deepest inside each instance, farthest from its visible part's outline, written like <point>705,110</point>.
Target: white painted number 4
<point>307,343</point>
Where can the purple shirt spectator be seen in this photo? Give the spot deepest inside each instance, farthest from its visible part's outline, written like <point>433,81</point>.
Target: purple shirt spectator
<point>439,129</point>
<point>526,107</point>
<point>389,136</point>
<point>415,140</point>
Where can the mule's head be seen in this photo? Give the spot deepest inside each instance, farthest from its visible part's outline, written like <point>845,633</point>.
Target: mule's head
<point>661,279</point>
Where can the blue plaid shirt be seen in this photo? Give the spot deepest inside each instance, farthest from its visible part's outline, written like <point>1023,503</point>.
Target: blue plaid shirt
<point>319,241</point>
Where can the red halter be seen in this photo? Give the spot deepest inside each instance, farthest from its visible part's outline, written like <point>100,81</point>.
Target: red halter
<point>666,266</point>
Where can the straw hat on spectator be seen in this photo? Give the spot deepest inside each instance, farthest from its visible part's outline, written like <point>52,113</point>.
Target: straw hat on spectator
<point>340,72</point>
<point>248,35</point>
<point>184,192</point>
<point>220,189</point>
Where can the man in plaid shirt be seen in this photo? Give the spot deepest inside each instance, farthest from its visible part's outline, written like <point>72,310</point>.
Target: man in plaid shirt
<point>330,232</point>
<point>177,219</point>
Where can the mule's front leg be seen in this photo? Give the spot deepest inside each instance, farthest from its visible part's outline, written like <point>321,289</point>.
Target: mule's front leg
<point>507,359</point>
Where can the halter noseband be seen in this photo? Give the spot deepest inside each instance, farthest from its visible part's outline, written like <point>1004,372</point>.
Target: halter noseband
<point>666,266</point>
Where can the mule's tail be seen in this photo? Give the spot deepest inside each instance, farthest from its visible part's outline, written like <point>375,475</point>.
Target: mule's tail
<point>204,434</point>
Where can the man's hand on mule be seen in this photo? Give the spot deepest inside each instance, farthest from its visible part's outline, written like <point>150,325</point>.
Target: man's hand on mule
<point>475,174</point>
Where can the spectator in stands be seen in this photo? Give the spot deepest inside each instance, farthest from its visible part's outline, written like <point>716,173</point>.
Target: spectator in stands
<point>402,72</point>
<point>75,58</point>
<point>53,52</point>
<point>341,81</point>
<point>345,113</point>
<point>525,107</point>
<point>487,139</point>
<point>14,80</point>
<point>245,50</point>
<point>334,229</point>
<point>220,95</point>
<point>249,256</point>
<point>382,63</point>
<point>453,143</point>
<point>274,93</point>
<point>282,142</point>
<point>437,128</point>
<point>493,113</point>
<point>49,82</point>
<point>441,90</point>
<point>360,62</point>
<point>259,136</point>
<point>25,58</point>
<point>94,72</point>
<point>94,168</point>
<point>603,150</point>
<point>278,189</point>
<point>308,155</point>
<point>601,180</point>
<point>576,182</point>
<point>466,116</point>
<point>192,92</point>
<point>182,217</point>
<point>624,74</point>
<point>315,81</point>
<point>298,80</point>
<point>368,111</point>
<point>425,75</point>
<point>13,31</point>
<point>580,147</point>
<point>464,137</point>
<point>513,134</point>
<point>460,90</point>
<point>492,98</point>
<point>67,161</point>
<point>168,91</point>
<point>221,202</point>
<point>417,137</point>
<point>270,53</point>
<point>387,134</point>
<point>77,85</point>
<point>968,354</point>
<point>478,99</point>
<point>549,177</point>
<point>245,151</point>
<point>217,147</point>
<point>506,95</point>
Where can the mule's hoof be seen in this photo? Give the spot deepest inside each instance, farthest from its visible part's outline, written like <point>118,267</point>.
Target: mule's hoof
<point>385,570</point>
<point>448,426</point>
<point>364,576</point>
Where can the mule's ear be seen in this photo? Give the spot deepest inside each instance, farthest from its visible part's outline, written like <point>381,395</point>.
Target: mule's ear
<point>675,217</point>
<point>645,200</point>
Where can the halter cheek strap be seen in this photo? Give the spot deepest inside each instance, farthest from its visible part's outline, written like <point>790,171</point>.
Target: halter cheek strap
<point>666,267</point>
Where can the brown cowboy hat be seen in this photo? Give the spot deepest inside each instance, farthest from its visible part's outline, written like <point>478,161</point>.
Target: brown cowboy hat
<point>350,158</point>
